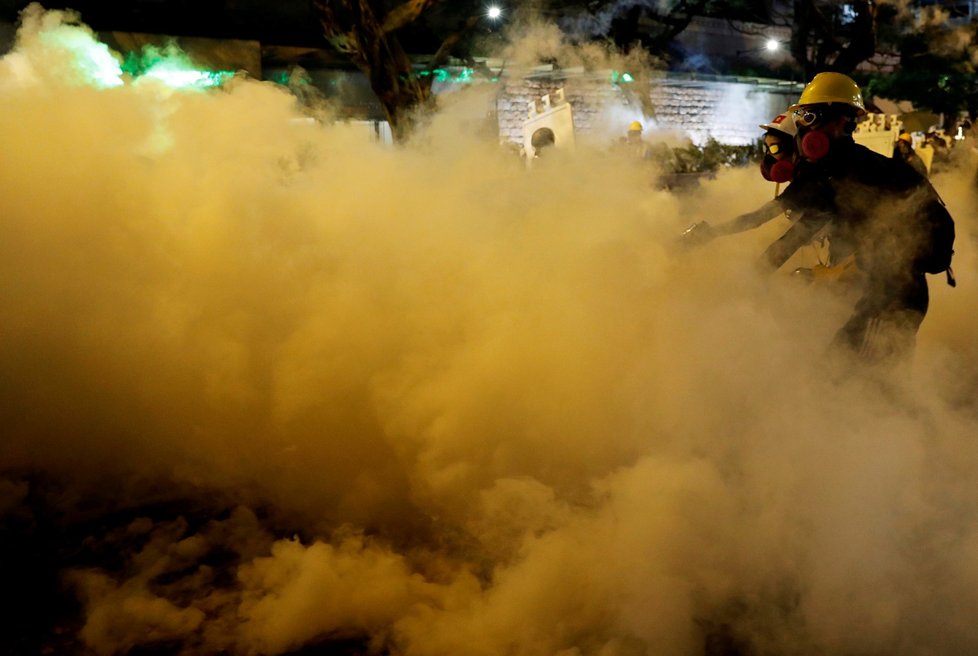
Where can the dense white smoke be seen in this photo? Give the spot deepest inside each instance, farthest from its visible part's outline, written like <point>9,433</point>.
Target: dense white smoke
<point>427,400</point>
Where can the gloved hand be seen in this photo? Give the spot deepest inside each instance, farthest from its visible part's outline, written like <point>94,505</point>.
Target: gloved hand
<point>805,273</point>
<point>844,271</point>
<point>697,234</point>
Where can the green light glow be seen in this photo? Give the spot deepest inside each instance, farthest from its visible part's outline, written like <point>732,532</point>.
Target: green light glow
<point>442,75</point>
<point>172,67</point>
<point>94,63</point>
<point>91,58</point>
<point>623,78</point>
<point>176,77</point>
<point>101,67</point>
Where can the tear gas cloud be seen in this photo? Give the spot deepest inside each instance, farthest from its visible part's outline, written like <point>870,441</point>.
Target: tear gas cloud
<point>429,401</point>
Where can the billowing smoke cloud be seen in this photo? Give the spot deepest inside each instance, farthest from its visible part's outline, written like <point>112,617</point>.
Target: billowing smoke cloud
<point>272,384</point>
<point>533,41</point>
<point>536,40</point>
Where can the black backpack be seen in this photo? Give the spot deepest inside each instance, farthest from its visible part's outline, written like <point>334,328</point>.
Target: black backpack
<point>937,248</point>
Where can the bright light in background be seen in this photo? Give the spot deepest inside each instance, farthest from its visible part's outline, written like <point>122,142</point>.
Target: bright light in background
<point>772,45</point>
<point>91,58</point>
<point>181,78</point>
<point>494,12</point>
<point>621,78</point>
<point>172,67</point>
<point>101,67</point>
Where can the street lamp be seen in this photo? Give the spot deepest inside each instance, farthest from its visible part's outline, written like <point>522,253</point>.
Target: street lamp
<point>494,12</point>
<point>771,46</point>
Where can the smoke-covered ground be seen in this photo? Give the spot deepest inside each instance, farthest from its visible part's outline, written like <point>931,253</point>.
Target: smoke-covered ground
<point>272,388</point>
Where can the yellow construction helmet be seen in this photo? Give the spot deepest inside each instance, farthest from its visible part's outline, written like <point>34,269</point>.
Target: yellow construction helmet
<point>832,88</point>
<point>905,136</point>
<point>635,126</point>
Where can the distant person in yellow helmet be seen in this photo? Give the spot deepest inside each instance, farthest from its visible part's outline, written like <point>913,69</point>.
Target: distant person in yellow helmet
<point>876,210</point>
<point>634,144</point>
<point>903,149</point>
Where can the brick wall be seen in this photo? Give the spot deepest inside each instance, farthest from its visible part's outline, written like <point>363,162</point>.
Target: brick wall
<point>726,110</point>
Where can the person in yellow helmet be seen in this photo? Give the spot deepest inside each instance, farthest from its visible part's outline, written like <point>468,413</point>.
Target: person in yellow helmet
<point>634,144</point>
<point>877,211</point>
<point>903,149</point>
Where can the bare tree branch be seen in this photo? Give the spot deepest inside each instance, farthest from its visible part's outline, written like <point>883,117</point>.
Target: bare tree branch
<point>405,13</point>
<point>483,69</point>
<point>339,20</point>
<point>352,27</point>
<point>862,41</point>
<point>452,40</point>
<point>820,41</point>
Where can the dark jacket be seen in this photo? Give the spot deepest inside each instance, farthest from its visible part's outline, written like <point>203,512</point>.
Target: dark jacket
<point>871,204</point>
<point>880,210</point>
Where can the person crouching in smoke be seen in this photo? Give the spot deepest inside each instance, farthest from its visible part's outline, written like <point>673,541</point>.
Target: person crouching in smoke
<point>877,211</point>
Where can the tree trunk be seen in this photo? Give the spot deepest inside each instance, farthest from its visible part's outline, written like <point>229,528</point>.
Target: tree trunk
<point>862,38</point>
<point>353,28</point>
<point>820,42</point>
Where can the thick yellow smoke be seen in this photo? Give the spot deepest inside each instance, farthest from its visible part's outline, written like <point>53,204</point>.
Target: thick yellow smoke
<point>458,407</point>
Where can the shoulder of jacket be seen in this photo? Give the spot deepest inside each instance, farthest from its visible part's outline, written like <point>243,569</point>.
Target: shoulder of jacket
<point>867,154</point>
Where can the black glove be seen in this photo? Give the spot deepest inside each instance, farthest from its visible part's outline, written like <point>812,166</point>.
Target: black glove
<point>697,234</point>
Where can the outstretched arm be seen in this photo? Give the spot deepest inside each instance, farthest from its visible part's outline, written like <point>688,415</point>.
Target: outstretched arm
<point>758,217</point>
<point>703,232</point>
<point>800,233</point>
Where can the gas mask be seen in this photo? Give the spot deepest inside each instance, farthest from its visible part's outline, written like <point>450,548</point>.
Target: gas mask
<point>812,144</point>
<point>777,170</point>
<point>778,164</point>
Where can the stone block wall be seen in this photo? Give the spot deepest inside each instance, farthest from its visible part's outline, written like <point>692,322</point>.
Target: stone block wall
<point>723,109</point>
<point>587,96</point>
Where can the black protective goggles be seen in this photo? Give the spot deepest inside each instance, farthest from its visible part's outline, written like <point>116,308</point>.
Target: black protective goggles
<point>773,148</point>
